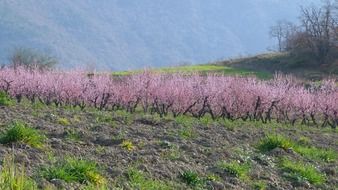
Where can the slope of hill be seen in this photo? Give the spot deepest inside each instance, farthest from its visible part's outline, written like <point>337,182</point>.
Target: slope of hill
<point>137,151</point>
<point>300,66</point>
<point>129,34</point>
<point>263,66</point>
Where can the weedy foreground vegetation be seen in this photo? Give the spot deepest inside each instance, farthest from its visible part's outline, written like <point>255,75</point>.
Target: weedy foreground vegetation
<point>54,138</point>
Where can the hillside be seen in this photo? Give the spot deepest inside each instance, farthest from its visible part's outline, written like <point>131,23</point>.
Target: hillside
<point>121,35</point>
<point>299,66</point>
<point>263,66</point>
<point>80,131</point>
<point>167,95</point>
<point>142,151</point>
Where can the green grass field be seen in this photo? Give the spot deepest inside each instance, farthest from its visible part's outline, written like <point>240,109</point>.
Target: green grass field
<point>203,69</point>
<point>263,66</point>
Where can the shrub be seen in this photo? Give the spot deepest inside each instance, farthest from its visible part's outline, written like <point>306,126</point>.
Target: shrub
<point>21,132</point>
<point>74,170</point>
<point>31,59</point>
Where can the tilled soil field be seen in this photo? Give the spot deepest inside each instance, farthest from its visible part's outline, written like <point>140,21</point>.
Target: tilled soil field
<point>138,151</point>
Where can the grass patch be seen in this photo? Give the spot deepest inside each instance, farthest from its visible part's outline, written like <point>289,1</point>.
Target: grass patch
<point>326,155</point>
<point>5,100</point>
<point>96,187</point>
<point>152,118</point>
<point>195,181</point>
<point>172,153</point>
<point>260,185</point>
<point>268,63</point>
<point>207,121</point>
<point>13,177</point>
<point>139,180</point>
<point>190,178</point>
<point>105,118</point>
<point>298,171</point>
<point>179,69</point>
<point>301,147</point>
<point>74,170</point>
<point>21,132</point>
<point>63,121</point>
<point>201,69</point>
<point>127,145</point>
<point>185,121</point>
<point>212,177</point>
<point>232,125</point>
<point>271,142</point>
<point>73,135</point>
<point>76,119</point>
<point>186,133</point>
<point>100,149</point>
<point>236,169</point>
<point>37,105</point>
<point>246,72</point>
<point>124,116</point>
<point>304,141</point>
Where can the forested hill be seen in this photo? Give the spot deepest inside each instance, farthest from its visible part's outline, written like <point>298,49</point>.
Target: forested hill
<point>129,34</point>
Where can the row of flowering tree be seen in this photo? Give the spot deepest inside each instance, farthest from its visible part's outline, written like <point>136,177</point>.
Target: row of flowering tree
<point>282,99</point>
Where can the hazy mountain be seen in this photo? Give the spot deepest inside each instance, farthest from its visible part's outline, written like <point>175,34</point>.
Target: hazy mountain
<point>128,34</point>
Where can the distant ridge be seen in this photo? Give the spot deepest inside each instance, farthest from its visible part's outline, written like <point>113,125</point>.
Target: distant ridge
<point>128,34</point>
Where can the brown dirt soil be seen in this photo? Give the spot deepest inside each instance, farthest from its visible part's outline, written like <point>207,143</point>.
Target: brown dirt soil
<point>162,148</point>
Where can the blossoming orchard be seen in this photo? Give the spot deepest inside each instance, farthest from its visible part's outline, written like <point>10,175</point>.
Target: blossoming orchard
<point>282,99</point>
